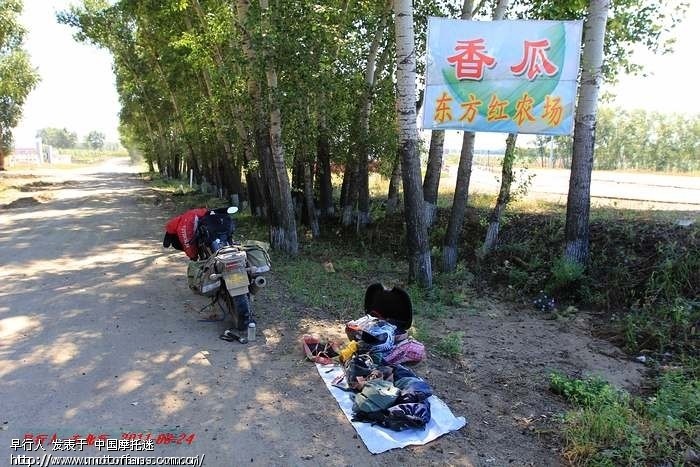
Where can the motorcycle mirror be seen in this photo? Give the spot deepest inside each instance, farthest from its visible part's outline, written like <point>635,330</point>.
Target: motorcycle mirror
<point>232,210</point>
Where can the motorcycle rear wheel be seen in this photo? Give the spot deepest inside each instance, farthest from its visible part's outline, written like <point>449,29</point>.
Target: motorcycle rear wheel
<point>239,309</point>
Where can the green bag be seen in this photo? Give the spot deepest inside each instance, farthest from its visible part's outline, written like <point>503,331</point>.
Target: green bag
<point>198,277</point>
<point>257,253</point>
<point>376,395</point>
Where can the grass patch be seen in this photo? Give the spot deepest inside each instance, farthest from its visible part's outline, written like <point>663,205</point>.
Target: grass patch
<point>309,282</point>
<point>609,427</point>
<point>667,327</point>
<point>450,346</point>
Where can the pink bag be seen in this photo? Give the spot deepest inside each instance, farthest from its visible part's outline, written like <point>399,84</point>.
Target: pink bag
<point>408,350</point>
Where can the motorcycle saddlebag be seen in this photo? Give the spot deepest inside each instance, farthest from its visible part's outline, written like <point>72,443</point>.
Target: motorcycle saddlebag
<point>257,254</point>
<point>198,277</point>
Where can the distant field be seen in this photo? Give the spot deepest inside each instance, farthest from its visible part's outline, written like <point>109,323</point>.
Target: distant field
<point>624,190</point>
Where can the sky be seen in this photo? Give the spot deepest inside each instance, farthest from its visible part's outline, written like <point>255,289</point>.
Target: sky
<point>77,89</point>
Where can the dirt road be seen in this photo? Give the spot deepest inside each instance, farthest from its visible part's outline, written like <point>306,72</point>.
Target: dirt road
<point>99,335</point>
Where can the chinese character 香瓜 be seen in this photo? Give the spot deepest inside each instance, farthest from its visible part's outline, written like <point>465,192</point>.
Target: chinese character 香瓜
<point>471,59</point>
<point>535,61</point>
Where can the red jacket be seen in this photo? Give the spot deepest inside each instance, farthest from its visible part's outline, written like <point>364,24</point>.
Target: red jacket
<point>184,226</point>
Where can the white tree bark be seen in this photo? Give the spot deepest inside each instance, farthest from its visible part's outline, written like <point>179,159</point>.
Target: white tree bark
<point>286,236</point>
<point>579,198</point>
<point>416,231</point>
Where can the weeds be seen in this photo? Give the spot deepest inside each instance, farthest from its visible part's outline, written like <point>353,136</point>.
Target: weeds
<point>450,346</point>
<point>566,276</point>
<point>610,427</point>
<point>668,327</point>
<point>313,285</point>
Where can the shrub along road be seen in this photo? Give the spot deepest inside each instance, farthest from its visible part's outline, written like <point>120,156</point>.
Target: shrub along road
<point>99,334</point>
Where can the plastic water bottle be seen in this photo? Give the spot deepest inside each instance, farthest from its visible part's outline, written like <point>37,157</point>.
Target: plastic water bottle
<point>251,332</point>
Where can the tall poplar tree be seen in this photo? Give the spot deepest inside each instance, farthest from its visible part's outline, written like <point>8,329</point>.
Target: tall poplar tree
<point>420,268</point>
<point>578,205</point>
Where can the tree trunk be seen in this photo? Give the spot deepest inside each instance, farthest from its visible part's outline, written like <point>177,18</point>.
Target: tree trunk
<point>459,203</point>
<point>263,138</point>
<point>464,172</point>
<point>285,238</point>
<point>363,217</point>
<point>431,182</point>
<point>2,159</point>
<point>309,201</point>
<point>298,187</point>
<point>393,199</point>
<point>323,172</point>
<point>579,198</point>
<point>420,268</point>
<point>503,197</point>
<point>349,195</point>
<point>506,172</point>
<point>256,192</point>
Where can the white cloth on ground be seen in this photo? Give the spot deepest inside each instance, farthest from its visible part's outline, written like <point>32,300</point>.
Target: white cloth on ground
<point>379,439</point>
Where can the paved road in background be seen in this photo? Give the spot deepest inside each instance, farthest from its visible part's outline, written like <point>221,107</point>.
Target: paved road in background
<point>633,190</point>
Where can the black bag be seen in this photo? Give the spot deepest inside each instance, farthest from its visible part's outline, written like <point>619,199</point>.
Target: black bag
<point>215,230</point>
<point>398,417</point>
<point>393,306</point>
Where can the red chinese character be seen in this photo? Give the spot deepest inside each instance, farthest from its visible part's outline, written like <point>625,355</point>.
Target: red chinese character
<point>469,63</point>
<point>90,439</point>
<point>535,60</point>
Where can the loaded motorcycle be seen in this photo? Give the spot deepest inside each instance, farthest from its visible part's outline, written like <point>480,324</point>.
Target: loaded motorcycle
<point>226,271</point>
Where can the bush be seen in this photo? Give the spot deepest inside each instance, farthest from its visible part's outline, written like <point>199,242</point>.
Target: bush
<point>566,276</point>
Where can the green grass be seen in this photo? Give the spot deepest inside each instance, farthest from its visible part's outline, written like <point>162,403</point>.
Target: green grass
<point>667,327</point>
<point>310,283</point>
<point>609,427</point>
<point>450,346</point>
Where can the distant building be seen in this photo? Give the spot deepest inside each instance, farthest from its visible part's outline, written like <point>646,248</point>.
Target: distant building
<point>41,153</point>
<point>24,156</point>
